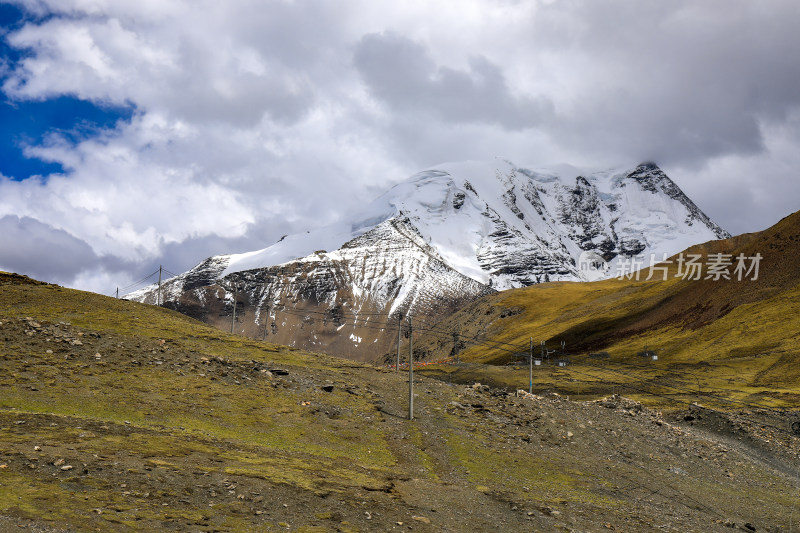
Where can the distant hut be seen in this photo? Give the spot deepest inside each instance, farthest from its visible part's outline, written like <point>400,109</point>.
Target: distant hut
<point>648,354</point>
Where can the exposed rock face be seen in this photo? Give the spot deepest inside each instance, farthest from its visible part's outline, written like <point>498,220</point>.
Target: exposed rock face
<point>345,302</point>
<point>442,238</point>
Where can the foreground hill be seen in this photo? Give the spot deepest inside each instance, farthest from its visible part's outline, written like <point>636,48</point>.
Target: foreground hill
<point>733,338</point>
<point>120,416</point>
<point>432,244</point>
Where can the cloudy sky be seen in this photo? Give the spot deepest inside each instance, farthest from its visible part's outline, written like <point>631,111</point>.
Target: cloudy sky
<point>135,133</point>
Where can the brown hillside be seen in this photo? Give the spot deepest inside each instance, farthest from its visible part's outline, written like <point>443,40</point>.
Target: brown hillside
<point>118,416</point>
<point>779,247</point>
<point>692,304</point>
<point>738,338</point>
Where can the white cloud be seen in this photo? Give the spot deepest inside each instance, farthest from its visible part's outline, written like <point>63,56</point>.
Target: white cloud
<point>254,119</point>
<point>126,198</point>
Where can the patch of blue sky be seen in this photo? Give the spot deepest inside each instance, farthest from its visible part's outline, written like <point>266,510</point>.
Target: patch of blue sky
<point>28,123</point>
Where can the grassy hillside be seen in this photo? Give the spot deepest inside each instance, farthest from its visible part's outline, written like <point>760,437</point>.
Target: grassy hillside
<point>715,338</point>
<point>125,417</point>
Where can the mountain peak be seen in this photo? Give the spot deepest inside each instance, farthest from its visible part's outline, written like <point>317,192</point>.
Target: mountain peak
<point>443,237</point>
<point>648,165</point>
<point>496,221</point>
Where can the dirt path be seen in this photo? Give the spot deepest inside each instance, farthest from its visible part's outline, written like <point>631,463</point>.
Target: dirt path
<point>432,482</point>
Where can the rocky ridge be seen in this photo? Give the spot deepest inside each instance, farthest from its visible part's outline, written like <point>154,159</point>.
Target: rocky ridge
<point>442,238</point>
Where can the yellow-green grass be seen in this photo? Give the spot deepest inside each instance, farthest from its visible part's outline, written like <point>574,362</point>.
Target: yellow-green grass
<point>87,310</point>
<point>749,354</point>
<point>151,434</point>
<point>180,416</point>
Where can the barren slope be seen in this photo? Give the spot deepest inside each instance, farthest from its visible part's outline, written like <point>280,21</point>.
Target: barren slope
<point>120,416</point>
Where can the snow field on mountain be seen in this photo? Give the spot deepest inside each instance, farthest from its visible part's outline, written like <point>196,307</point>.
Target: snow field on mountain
<point>495,223</point>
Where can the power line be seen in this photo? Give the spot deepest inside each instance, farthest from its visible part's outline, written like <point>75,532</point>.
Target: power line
<point>682,391</point>
<point>432,331</point>
<point>437,332</point>
<point>682,374</point>
<point>442,334</point>
<point>140,281</point>
<point>143,281</point>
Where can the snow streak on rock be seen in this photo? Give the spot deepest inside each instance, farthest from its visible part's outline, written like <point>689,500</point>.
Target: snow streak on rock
<point>441,238</point>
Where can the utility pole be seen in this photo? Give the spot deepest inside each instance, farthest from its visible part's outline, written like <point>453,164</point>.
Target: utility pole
<point>410,370</point>
<point>455,346</point>
<point>158,298</point>
<point>544,351</point>
<point>399,331</point>
<point>117,293</point>
<point>235,297</point>
<point>530,379</point>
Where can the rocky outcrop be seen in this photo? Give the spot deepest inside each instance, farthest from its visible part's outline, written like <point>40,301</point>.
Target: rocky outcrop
<point>442,238</point>
<point>345,302</point>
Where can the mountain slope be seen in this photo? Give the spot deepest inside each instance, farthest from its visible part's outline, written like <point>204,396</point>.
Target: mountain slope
<point>738,338</point>
<point>444,237</point>
<point>344,302</point>
<point>116,416</point>
<point>509,226</point>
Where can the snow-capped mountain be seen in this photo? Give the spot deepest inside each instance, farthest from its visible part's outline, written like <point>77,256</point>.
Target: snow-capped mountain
<point>445,236</point>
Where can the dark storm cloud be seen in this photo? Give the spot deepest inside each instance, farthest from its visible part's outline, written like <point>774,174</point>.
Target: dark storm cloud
<point>401,73</point>
<point>42,251</point>
<point>38,250</point>
<point>680,82</point>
